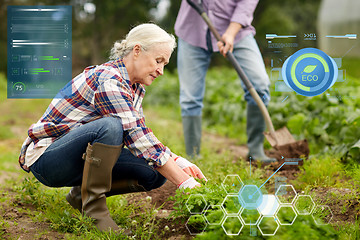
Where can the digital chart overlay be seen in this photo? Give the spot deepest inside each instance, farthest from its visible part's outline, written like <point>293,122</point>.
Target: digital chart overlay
<point>39,48</point>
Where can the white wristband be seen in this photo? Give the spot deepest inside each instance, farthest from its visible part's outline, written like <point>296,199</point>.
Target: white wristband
<point>189,183</point>
<point>183,163</point>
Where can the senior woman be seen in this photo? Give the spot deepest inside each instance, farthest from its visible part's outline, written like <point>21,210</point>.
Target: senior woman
<point>91,119</point>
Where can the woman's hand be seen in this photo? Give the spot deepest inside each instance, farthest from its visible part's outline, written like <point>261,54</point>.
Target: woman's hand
<point>171,171</point>
<point>190,183</point>
<point>189,168</point>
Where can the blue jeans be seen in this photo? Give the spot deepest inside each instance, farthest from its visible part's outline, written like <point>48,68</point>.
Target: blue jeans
<point>62,164</point>
<point>193,63</point>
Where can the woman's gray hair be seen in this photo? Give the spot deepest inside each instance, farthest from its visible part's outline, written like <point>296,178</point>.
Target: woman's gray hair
<point>145,35</point>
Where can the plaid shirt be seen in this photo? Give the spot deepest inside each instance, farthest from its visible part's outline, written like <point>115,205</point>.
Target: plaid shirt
<point>99,91</point>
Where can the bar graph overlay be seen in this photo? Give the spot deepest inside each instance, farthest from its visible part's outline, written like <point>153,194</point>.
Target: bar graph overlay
<point>39,48</point>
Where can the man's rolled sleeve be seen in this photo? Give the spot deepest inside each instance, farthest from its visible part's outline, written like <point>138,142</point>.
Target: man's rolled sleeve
<point>244,12</point>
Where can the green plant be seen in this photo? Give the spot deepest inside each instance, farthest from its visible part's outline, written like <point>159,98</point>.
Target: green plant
<point>3,226</point>
<point>329,123</point>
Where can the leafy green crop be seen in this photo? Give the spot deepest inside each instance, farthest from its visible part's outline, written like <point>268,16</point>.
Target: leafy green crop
<point>296,226</point>
<point>330,121</point>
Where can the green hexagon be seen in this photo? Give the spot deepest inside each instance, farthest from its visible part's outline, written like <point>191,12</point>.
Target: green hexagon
<point>268,226</point>
<point>231,205</point>
<point>304,204</point>
<point>286,215</point>
<point>196,224</point>
<point>232,225</point>
<point>196,204</point>
<point>214,214</point>
<point>250,216</point>
<point>322,214</point>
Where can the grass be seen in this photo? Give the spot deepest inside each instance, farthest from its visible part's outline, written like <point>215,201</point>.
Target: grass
<point>322,172</point>
<point>351,64</point>
<point>315,174</point>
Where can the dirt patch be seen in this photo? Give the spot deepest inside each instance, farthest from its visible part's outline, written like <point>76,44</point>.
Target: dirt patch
<point>299,149</point>
<point>171,228</point>
<point>344,203</point>
<point>18,223</point>
<point>296,152</point>
<point>159,196</point>
<point>293,153</point>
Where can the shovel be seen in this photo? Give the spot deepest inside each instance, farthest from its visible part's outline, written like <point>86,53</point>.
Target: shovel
<point>281,139</point>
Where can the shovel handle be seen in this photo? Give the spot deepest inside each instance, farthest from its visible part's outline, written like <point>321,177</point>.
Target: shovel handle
<point>239,70</point>
<point>253,93</point>
<point>196,6</point>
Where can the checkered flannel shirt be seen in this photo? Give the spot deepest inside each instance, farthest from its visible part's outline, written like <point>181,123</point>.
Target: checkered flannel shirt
<point>99,91</point>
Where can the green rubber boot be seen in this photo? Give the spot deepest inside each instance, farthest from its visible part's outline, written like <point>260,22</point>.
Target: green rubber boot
<point>192,135</point>
<point>255,126</point>
<point>118,187</point>
<point>96,182</point>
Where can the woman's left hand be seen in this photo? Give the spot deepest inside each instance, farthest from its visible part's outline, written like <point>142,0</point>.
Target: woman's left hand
<point>189,168</point>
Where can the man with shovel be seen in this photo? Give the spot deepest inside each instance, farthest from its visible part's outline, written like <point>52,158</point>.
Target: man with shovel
<point>196,44</point>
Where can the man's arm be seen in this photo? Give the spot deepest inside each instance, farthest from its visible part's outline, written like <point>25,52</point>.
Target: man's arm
<point>241,18</point>
<point>228,38</point>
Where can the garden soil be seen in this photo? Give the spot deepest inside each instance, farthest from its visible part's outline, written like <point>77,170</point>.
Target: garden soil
<point>20,224</point>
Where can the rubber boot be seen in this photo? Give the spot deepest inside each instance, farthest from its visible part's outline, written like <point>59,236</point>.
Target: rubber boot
<point>125,186</point>
<point>96,182</point>
<point>192,135</point>
<point>117,187</point>
<point>74,198</point>
<point>255,126</point>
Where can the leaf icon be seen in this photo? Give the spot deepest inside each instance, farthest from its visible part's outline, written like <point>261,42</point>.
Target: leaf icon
<point>309,68</point>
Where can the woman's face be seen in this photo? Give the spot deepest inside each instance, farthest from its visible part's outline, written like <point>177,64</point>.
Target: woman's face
<point>149,64</point>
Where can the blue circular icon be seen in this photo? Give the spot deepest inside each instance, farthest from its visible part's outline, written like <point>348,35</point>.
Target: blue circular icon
<point>250,197</point>
<point>309,72</point>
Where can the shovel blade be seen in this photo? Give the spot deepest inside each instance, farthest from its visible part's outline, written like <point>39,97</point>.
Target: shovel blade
<point>280,137</point>
<point>286,145</point>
